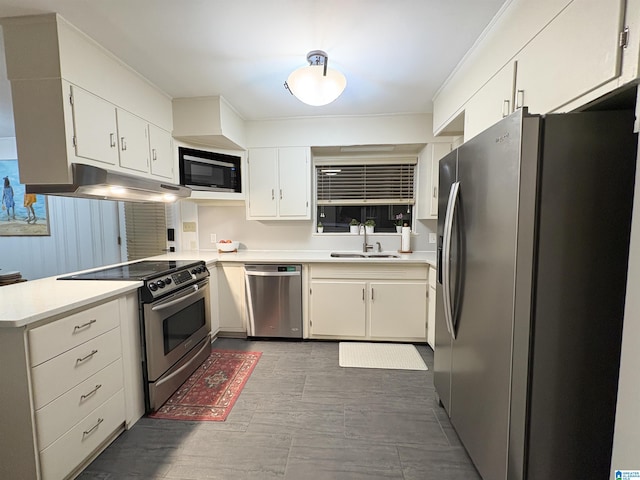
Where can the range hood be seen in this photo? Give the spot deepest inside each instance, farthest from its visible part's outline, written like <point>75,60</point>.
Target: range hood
<point>98,183</point>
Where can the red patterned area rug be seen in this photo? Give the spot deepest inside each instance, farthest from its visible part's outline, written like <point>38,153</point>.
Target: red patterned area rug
<point>212,390</point>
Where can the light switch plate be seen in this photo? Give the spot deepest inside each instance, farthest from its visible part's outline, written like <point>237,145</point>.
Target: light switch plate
<point>188,226</point>
<point>214,238</point>
<point>432,238</point>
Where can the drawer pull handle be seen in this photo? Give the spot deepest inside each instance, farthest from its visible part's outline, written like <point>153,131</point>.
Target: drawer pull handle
<point>88,432</point>
<point>80,360</point>
<point>84,325</point>
<point>83,397</point>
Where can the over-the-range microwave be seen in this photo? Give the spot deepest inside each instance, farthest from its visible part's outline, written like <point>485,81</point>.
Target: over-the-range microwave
<point>209,171</point>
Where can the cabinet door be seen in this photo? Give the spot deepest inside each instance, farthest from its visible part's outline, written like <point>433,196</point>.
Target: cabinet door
<point>294,179</point>
<point>213,300</point>
<point>577,52</point>
<point>492,102</point>
<point>398,310</point>
<point>428,165</point>
<point>440,150</point>
<point>161,152</point>
<point>231,302</point>
<point>262,182</point>
<point>133,140</point>
<point>431,317</point>
<point>337,307</point>
<point>94,125</point>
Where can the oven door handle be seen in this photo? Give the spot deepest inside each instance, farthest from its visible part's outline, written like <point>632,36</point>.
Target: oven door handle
<point>182,298</point>
<point>184,367</point>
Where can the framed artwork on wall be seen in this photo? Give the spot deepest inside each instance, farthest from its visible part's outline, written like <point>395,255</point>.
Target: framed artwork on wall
<point>21,214</point>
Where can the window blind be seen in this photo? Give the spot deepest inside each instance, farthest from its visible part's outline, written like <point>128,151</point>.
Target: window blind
<point>146,228</point>
<point>390,184</point>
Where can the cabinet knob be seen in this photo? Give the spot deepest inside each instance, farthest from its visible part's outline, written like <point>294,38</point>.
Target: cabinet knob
<point>273,193</point>
<point>154,154</point>
<point>123,143</point>
<point>112,140</point>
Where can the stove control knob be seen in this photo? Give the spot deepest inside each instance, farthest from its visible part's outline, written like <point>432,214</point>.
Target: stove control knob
<point>194,271</point>
<point>167,280</point>
<point>160,283</point>
<point>153,287</point>
<point>200,269</point>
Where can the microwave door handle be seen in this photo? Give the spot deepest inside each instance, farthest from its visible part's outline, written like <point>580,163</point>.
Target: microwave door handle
<point>182,298</point>
<point>210,162</point>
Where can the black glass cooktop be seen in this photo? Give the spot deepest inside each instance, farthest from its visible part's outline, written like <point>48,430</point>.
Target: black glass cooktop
<point>141,270</point>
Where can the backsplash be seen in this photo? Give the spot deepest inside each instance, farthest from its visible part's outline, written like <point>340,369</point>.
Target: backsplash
<point>229,222</point>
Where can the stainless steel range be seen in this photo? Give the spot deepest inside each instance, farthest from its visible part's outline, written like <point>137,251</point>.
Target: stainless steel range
<point>174,320</point>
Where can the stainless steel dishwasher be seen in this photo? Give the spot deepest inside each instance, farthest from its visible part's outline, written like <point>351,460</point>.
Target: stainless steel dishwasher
<point>274,300</point>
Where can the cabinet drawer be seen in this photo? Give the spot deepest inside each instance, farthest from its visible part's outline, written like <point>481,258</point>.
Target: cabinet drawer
<point>68,409</point>
<point>53,378</point>
<point>49,340</point>
<point>70,450</point>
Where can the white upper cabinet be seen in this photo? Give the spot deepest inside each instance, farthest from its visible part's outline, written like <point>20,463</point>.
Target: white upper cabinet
<point>263,167</point>
<point>491,103</point>
<point>293,182</point>
<point>95,128</point>
<point>550,56</point>
<point>161,152</point>
<point>428,165</point>
<point>576,53</point>
<point>279,183</point>
<point>133,138</point>
<point>74,102</point>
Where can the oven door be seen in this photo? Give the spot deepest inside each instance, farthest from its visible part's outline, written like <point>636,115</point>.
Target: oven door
<point>174,325</point>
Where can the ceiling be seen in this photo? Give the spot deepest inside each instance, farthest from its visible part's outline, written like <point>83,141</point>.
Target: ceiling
<point>394,53</point>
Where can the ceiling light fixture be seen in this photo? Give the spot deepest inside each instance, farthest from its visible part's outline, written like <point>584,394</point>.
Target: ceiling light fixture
<point>316,84</point>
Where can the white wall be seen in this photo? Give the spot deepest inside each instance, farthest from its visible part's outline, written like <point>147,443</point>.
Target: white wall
<point>339,131</point>
<point>84,234</point>
<point>229,222</point>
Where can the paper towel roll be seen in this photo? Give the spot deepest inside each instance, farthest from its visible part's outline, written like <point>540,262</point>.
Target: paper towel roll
<point>406,239</point>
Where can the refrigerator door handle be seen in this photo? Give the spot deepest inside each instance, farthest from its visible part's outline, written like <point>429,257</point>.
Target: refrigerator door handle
<point>446,256</point>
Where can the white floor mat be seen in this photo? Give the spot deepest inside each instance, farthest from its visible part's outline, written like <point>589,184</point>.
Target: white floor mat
<point>380,355</point>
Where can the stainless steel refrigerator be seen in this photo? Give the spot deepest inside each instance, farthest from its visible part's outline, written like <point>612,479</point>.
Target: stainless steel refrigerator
<point>533,234</point>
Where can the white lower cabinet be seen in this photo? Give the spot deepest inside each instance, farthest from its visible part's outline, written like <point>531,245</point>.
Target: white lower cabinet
<point>231,299</point>
<point>373,302</point>
<point>431,309</point>
<point>64,396</point>
<point>397,310</point>
<point>82,439</point>
<point>338,307</point>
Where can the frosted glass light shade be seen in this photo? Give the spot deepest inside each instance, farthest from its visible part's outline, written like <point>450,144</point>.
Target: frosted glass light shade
<point>310,86</point>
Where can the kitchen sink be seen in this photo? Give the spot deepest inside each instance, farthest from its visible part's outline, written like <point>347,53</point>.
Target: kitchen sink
<point>363,255</point>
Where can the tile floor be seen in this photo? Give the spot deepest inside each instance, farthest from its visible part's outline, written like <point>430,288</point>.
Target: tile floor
<point>301,417</point>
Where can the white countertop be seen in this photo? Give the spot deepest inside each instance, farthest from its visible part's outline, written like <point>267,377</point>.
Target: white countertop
<point>295,256</point>
<point>24,303</point>
<point>28,302</point>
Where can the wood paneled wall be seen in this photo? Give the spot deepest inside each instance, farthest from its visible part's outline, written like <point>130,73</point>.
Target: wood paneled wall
<point>84,234</point>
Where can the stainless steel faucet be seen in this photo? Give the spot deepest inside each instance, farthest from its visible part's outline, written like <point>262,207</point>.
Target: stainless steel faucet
<point>365,246</point>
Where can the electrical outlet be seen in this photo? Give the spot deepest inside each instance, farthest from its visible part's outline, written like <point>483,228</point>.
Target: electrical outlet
<point>432,238</point>
<point>188,226</point>
<point>214,238</point>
